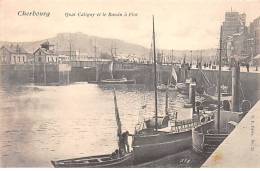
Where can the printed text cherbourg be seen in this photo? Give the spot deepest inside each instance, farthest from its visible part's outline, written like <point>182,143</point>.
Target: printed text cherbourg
<point>33,13</point>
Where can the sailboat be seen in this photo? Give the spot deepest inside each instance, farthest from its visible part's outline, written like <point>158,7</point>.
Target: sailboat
<point>111,80</point>
<point>152,142</point>
<point>99,161</point>
<point>160,85</point>
<point>170,86</point>
<point>183,86</point>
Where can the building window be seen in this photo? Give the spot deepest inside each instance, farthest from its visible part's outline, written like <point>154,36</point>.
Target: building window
<point>23,58</point>
<point>40,53</point>
<point>14,58</point>
<point>48,59</point>
<point>19,59</point>
<point>40,59</point>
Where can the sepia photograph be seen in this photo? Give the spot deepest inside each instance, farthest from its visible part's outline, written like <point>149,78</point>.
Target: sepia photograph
<point>129,84</point>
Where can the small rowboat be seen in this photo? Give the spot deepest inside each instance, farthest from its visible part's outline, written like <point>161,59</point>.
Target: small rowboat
<point>124,160</point>
<point>117,81</point>
<point>95,161</point>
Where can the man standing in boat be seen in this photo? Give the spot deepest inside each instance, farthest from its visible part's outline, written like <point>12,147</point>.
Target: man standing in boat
<point>125,141</point>
<point>121,142</point>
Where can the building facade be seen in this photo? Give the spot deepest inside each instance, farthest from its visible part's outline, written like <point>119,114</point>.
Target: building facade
<point>234,23</point>
<point>240,43</point>
<point>45,54</point>
<point>256,35</point>
<point>11,54</point>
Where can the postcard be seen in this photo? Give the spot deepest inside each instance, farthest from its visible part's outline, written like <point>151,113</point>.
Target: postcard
<point>129,84</point>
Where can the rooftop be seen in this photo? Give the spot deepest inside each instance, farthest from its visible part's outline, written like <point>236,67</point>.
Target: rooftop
<point>14,49</point>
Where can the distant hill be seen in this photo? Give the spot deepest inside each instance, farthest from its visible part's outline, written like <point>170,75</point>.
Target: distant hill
<point>86,45</point>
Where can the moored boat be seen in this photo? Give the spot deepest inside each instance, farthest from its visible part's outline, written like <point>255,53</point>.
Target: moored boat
<point>182,87</point>
<point>169,87</point>
<point>117,81</point>
<point>152,145</point>
<point>115,159</point>
<point>95,161</point>
<point>162,87</point>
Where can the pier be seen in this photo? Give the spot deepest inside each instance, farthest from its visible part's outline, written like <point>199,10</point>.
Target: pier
<point>241,148</point>
<point>84,71</point>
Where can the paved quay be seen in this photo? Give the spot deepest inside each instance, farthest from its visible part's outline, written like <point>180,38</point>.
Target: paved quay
<point>241,149</point>
<point>252,69</point>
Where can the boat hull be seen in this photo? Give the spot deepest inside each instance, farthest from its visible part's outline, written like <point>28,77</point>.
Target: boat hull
<point>117,82</point>
<point>113,81</point>
<point>148,148</point>
<point>102,161</point>
<point>182,87</point>
<point>204,143</point>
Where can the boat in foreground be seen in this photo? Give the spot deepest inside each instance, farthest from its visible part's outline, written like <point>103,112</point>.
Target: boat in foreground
<point>117,159</point>
<point>95,161</point>
<point>153,145</point>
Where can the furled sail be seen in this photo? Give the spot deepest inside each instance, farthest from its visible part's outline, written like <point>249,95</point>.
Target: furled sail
<point>174,75</point>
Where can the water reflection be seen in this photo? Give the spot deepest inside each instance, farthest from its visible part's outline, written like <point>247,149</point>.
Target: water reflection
<point>40,124</point>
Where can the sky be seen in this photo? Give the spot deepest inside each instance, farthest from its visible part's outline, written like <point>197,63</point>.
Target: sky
<point>179,24</point>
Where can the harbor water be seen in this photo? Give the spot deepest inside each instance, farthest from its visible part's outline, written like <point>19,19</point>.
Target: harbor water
<point>44,123</point>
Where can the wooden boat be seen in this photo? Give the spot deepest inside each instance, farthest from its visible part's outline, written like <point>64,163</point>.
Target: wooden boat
<point>204,141</point>
<point>162,87</point>
<point>169,87</point>
<point>108,160</point>
<point>117,81</point>
<point>182,87</point>
<point>150,142</point>
<point>150,145</point>
<point>95,161</point>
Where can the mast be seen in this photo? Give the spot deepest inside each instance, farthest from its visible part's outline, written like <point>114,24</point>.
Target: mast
<point>95,54</point>
<point>70,46</point>
<point>151,53</point>
<point>119,131</point>
<point>57,59</point>
<point>219,78</point>
<point>155,78</point>
<point>33,67</point>
<point>191,58</point>
<point>166,104</point>
<point>112,50</point>
<point>95,50</point>
<point>172,56</point>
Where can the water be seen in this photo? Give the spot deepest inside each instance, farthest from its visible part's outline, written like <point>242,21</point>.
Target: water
<point>44,123</point>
